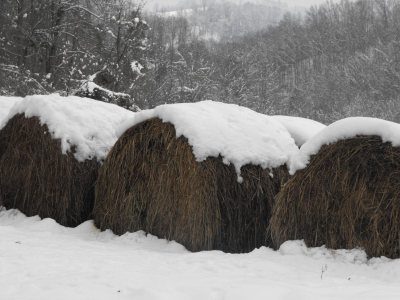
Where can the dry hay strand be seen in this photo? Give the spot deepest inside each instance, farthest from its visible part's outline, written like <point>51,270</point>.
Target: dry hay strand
<point>37,179</point>
<point>347,197</point>
<point>151,181</point>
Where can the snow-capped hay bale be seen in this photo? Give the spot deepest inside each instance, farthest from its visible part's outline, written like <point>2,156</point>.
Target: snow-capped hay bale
<point>5,105</point>
<point>37,179</point>
<point>151,181</point>
<point>169,185</point>
<point>348,194</point>
<point>50,152</point>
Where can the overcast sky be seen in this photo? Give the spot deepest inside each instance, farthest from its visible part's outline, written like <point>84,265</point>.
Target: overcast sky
<point>305,3</point>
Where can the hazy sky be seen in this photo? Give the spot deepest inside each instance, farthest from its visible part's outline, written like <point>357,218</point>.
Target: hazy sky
<point>305,3</point>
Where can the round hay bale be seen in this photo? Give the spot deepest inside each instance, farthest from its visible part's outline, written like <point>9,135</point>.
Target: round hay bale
<point>151,181</point>
<point>50,150</point>
<point>37,179</point>
<point>348,196</point>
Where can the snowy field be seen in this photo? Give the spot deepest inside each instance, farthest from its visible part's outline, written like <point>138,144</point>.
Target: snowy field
<point>40,259</point>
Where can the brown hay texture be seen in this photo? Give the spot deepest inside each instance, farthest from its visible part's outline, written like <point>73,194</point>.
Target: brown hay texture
<point>348,196</point>
<point>37,179</point>
<point>151,181</point>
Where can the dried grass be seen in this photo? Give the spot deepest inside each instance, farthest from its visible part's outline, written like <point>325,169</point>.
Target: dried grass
<point>37,179</point>
<point>151,181</point>
<point>348,196</point>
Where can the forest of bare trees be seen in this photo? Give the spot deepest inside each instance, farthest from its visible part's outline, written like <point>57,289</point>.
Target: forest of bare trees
<point>333,61</point>
<point>57,45</point>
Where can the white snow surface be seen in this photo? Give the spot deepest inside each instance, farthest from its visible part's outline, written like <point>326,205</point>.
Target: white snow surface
<point>5,105</point>
<point>240,135</point>
<point>342,129</point>
<point>40,259</point>
<point>300,129</point>
<point>85,123</point>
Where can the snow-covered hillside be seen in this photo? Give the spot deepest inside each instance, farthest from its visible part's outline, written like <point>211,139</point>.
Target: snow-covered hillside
<point>40,259</point>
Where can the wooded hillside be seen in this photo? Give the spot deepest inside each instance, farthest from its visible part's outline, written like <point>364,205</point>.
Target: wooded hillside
<point>334,61</point>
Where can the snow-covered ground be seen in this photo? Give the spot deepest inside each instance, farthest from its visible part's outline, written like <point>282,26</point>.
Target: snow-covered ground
<point>40,259</point>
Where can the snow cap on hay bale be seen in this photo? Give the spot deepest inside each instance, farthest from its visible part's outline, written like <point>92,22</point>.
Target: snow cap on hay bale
<point>5,105</point>
<point>345,190</point>
<point>300,129</point>
<point>196,173</point>
<point>50,149</point>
